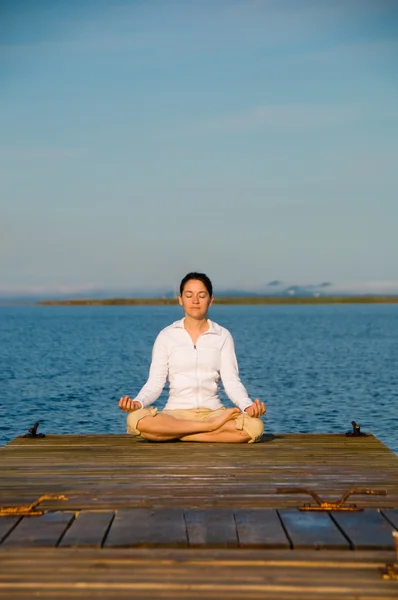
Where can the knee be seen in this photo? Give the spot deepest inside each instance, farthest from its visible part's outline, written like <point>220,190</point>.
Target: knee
<point>256,429</point>
<point>243,436</point>
<point>137,416</point>
<point>251,426</point>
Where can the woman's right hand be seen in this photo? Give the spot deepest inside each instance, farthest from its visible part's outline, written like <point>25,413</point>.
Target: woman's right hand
<point>128,405</point>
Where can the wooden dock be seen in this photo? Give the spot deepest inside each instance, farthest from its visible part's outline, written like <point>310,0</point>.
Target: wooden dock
<point>182,520</point>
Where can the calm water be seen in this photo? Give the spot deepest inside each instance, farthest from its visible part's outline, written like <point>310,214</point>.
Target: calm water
<point>316,367</point>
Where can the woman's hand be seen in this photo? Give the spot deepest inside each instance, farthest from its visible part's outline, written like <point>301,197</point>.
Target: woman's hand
<point>256,409</point>
<point>129,405</point>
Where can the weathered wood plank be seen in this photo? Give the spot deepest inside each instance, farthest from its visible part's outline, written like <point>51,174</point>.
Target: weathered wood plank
<point>312,530</point>
<point>44,530</point>
<point>225,574</point>
<point>392,516</point>
<point>6,525</point>
<point>88,530</point>
<point>213,528</point>
<point>146,527</point>
<point>366,529</point>
<point>260,528</point>
<point>95,472</point>
<point>161,481</point>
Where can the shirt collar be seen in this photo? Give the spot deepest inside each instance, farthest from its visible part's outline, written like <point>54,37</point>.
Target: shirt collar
<point>213,327</point>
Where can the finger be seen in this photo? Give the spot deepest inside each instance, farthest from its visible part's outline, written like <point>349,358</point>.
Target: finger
<point>125,403</point>
<point>260,407</point>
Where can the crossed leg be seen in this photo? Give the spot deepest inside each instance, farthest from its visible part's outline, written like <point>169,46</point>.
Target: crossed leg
<point>163,428</point>
<point>226,433</point>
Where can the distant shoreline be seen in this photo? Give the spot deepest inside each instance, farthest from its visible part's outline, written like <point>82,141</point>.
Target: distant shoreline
<point>255,300</point>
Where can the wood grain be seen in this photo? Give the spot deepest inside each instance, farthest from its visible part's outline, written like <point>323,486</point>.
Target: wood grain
<point>367,529</point>
<point>312,530</point>
<point>107,472</point>
<point>45,530</point>
<point>88,530</point>
<point>140,508</point>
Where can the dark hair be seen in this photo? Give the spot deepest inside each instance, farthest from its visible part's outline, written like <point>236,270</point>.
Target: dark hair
<point>200,277</point>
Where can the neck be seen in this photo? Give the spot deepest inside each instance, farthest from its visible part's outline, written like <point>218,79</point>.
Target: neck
<point>195,324</point>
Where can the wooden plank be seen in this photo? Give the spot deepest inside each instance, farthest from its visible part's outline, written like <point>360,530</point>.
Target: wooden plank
<point>45,530</point>
<point>260,528</point>
<point>146,527</point>
<point>391,515</point>
<point>211,528</point>
<point>94,472</point>
<point>197,573</point>
<point>366,529</point>
<point>6,525</point>
<point>88,530</point>
<point>312,530</point>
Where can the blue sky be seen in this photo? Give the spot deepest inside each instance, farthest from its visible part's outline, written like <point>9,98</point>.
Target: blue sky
<point>252,139</point>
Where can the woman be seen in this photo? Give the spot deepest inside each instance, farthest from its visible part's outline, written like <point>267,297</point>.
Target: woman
<point>194,354</point>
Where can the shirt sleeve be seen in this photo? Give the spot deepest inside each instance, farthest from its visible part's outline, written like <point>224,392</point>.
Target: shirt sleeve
<point>229,373</point>
<point>157,374</point>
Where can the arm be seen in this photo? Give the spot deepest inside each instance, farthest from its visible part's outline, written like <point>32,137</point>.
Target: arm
<point>157,374</point>
<point>229,372</point>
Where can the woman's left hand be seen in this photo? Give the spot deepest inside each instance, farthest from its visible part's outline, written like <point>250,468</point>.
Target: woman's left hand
<point>256,409</point>
<point>129,405</point>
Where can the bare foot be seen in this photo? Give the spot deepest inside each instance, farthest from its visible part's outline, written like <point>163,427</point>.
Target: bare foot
<point>227,415</point>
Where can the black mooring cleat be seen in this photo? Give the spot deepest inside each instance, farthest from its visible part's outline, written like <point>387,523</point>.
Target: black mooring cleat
<point>32,432</point>
<point>356,430</point>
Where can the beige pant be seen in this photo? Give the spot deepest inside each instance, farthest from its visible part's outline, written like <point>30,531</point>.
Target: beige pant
<point>254,427</point>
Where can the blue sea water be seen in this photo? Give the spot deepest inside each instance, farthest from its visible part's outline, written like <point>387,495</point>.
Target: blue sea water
<point>316,367</point>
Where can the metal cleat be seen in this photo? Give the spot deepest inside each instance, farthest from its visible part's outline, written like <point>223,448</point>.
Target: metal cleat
<point>356,430</point>
<point>326,506</point>
<point>28,511</point>
<point>32,432</point>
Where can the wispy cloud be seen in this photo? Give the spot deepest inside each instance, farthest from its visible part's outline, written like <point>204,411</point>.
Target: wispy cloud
<point>177,23</point>
<point>105,43</point>
<point>373,50</point>
<point>283,18</point>
<point>40,153</point>
<point>365,287</point>
<point>282,117</point>
<point>46,290</point>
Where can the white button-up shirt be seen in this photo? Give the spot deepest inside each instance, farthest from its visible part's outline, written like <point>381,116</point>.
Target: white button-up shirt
<point>194,370</point>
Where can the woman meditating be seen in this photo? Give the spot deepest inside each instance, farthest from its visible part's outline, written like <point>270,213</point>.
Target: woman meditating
<point>193,354</point>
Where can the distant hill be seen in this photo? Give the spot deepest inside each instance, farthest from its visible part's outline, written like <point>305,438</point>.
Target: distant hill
<point>275,288</point>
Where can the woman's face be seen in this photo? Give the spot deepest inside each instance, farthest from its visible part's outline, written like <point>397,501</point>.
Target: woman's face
<point>195,299</point>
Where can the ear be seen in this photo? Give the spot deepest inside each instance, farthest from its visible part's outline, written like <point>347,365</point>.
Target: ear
<point>211,301</point>
<point>179,300</point>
